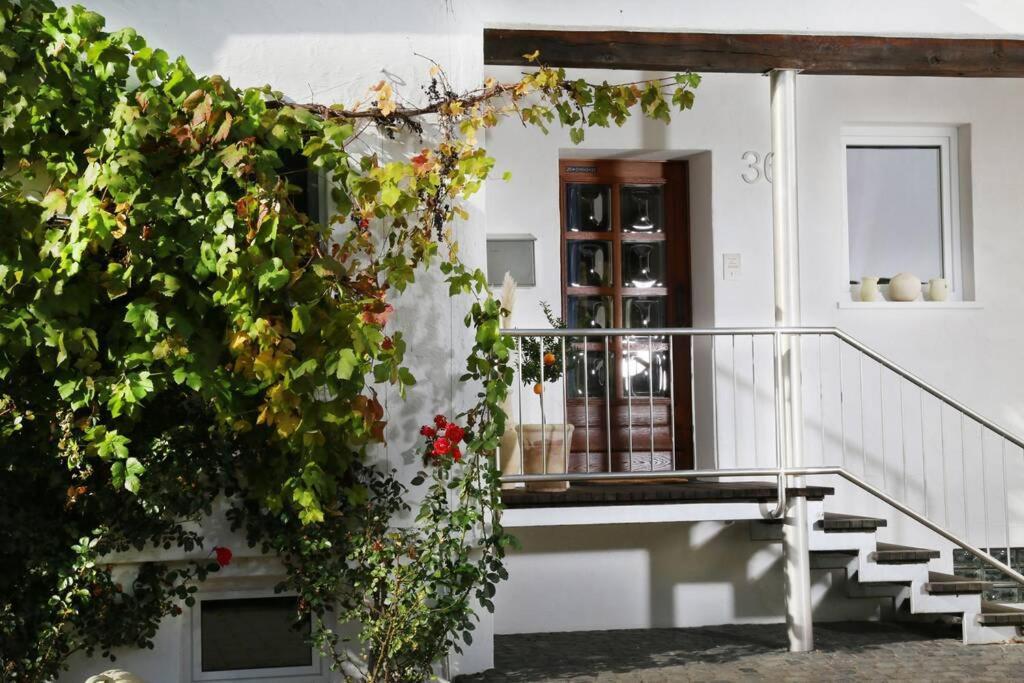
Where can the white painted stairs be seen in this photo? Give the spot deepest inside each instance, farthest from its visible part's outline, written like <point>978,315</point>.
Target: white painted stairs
<point>881,570</point>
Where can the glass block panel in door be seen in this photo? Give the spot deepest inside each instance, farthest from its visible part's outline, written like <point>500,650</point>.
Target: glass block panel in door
<point>645,368</point>
<point>590,263</point>
<point>643,311</point>
<point>590,311</point>
<point>588,207</point>
<point>588,373</point>
<point>643,264</point>
<point>642,208</point>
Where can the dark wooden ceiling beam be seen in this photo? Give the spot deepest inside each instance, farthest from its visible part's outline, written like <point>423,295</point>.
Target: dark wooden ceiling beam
<point>758,53</point>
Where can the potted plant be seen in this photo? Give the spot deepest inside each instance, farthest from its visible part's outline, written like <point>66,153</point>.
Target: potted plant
<point>544,447</point>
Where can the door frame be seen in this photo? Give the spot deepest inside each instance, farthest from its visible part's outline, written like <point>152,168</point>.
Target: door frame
<point>674,176</point>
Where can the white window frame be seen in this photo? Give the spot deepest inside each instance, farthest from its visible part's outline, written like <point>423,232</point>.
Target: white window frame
<point>314,673</point>
<point>946,138</point>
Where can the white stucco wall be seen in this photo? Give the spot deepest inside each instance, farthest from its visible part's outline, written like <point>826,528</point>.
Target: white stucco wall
<point>331,50</point>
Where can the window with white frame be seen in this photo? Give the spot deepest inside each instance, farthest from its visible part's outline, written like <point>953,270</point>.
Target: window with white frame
<point>242,636</point>
<point>902,192</point>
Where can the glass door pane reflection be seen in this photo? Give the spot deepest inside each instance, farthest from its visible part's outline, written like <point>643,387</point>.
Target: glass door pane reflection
<point>589,379</point>
<point>590,311</point>
<point>588,207</point>
<point>645,370</point>
<point>590,263</point>
<point>644,311</point>
<point>642,208</point>
<point>643,264</point>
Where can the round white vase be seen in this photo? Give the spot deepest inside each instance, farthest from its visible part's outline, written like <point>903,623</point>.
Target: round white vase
<point>869,289</point>
<point>938,289</point>
<point>905,287</point>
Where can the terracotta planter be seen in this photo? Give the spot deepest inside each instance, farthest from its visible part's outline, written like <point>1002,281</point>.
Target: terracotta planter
<point>549,439</point>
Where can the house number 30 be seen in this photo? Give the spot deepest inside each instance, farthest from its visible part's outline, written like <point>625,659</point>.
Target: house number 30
<point>757,167</point>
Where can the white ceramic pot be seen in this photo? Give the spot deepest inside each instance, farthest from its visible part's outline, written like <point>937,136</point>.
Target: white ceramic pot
<point>869,289</point>
<point>905,287</point>
<point>938,289</point>
<point>550,440</point>
<point>115,676</point>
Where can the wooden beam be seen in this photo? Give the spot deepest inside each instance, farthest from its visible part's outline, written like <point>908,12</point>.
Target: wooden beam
<point>758,53</point>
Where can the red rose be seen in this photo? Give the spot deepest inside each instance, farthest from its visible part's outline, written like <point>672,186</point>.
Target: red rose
<point>428,431</point>
<point>440,421</point>
<point>456,454</point>
<point>387,344</point>
<point>454,433</point>
<point>442,446</point>
<point>223,555</point>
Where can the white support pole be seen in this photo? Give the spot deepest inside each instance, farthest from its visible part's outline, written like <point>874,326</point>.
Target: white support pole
<point>787,314</point>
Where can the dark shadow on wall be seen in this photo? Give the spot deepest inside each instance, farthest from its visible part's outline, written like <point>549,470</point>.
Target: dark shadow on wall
<point>717,561</point>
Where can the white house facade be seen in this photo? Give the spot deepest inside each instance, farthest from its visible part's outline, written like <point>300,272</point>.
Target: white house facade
<point>906,416</point>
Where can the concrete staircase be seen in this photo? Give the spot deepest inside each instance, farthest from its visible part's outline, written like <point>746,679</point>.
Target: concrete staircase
<point>883,570</point>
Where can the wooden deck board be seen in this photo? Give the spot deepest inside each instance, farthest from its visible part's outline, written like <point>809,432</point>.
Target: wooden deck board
<point>633,493</point>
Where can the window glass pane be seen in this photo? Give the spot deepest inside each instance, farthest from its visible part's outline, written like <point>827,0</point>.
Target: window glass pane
<point>894,200</point>
<point>253,633</point>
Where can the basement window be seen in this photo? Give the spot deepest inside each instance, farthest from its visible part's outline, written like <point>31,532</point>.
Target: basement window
<point>903,208</point>
<point>251,637</point>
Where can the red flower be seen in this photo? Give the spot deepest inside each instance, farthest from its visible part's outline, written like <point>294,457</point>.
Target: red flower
<point>387,344</point>
<point>440,421</point>
<point>454,432</point>
<point>456,454</point>
<point>442,446</point>
<point>223,555</point>
<point>428,431</point>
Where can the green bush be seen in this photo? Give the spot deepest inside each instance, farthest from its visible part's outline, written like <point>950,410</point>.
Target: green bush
<point>175,329</point>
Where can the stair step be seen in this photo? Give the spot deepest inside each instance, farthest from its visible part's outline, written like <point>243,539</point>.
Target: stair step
<point>939,583</point>
<point>994,614</point>
<point>837,522</point>
<point>890,553</point>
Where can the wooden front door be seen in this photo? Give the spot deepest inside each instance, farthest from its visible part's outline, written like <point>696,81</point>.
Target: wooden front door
<point>626,264</point>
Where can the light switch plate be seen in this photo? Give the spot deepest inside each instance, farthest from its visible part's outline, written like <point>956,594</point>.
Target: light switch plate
<point>732,266</point>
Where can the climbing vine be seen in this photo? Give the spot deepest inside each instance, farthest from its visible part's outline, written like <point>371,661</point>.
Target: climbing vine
<point>178,329</point>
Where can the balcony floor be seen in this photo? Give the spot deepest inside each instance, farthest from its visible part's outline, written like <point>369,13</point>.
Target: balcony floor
<point>694,491</point>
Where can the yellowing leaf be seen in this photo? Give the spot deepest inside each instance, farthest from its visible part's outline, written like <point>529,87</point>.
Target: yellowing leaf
<point>385,98</point>
<point>532,57</point>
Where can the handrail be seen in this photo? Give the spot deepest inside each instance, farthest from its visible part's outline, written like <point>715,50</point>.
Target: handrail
<point>925,386</point>
<point>766,331</point>
<point>782,472</point>
<point>775,471</point>
<point>660,331</point>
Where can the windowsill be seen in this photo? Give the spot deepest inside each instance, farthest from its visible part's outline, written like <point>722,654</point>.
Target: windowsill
<point>911,305</point>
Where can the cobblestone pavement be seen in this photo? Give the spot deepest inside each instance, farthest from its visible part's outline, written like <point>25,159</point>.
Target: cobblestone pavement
<point>854,651</point>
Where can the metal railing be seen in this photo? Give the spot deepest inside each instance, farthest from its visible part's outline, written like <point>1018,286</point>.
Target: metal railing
<point>636,400</point>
